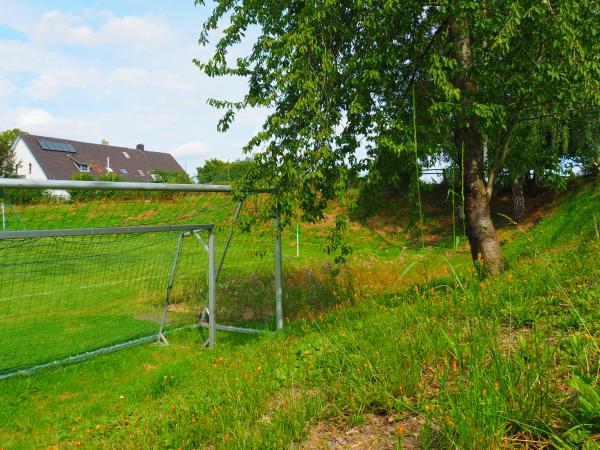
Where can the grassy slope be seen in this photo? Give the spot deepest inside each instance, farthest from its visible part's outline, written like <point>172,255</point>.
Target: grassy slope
<point>483,364</point>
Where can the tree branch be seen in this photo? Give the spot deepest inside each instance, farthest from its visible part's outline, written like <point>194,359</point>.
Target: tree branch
<point>499,160</point>
<point>417,66</point>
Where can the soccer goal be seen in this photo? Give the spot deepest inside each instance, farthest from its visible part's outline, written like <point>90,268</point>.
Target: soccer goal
<point>92,267</point>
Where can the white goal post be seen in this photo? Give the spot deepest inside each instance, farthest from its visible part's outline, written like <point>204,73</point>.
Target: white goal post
<point>89,267</point>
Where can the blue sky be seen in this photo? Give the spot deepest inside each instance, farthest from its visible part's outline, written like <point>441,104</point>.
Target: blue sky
<point>120,70</point>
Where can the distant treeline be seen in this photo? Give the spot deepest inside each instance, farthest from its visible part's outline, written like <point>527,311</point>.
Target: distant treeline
<point>217,171</point>
<point>159,176</point>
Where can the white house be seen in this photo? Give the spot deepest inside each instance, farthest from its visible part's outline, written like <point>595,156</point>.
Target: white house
<point>45,158</point>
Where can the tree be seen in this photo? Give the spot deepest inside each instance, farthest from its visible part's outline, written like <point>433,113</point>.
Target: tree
<point>337,75</point>
<point>175,176</point>
<point>80,195</point>
<point>8,165</point>
<point>584,140</point>
<point>550,149</point>
<point>217,171</point>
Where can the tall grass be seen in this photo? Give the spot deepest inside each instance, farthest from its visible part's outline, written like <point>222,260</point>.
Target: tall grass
<point>507,362</point>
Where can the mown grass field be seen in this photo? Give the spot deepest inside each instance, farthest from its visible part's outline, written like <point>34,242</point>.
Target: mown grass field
<point>63,296</point>
<point>415,337</point>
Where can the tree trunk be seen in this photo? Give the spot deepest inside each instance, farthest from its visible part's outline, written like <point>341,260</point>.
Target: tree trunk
<point>485,248</point>
<point>518,200</point>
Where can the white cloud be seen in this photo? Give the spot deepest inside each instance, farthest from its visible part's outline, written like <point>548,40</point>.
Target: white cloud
<point>49,84</point>
<point>6,87</point>
<point>136,30</point>
<point>18,56</point>
<point>133,31</point>
<point>44,87</point>
<point>138,78</point>
<point>37,120</point>
<point>193,149</point>
<point>53,73</point>
<point>57,26</point>
<point>16,14</point>
<point>192,155</point>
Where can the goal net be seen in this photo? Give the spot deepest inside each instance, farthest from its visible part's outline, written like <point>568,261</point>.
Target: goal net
<point>85,269</point>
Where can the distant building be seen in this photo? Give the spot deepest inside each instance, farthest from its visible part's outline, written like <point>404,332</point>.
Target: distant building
<point>45,158</point>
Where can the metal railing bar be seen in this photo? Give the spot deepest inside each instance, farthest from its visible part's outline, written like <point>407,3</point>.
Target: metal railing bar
<point>19,183</point>
<point>24,234</point>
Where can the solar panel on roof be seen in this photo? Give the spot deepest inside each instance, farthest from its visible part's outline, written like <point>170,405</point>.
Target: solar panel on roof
<point>56,146</point>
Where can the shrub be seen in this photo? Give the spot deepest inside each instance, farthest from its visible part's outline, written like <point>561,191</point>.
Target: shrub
<point>80,195</point>
<point>112,177</point>
<point>177,177</point>
<point>22,196</point>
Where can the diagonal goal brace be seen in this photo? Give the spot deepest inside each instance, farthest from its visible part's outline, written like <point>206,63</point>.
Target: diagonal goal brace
<point>210,249</point>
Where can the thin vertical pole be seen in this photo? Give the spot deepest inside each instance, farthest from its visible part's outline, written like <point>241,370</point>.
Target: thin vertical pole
<point>3,218</point>
<point>278,276</point>
<point>161,336</point>
<point>417,173</point>
<point>297,240</point>
<point>453,212</point>
<point>462,189</point>
<point>212,291</point>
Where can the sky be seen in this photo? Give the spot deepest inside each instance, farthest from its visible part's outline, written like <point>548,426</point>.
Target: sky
<point>116,70</point>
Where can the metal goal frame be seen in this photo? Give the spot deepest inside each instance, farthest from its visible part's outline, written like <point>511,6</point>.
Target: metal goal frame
<point>214,266</point>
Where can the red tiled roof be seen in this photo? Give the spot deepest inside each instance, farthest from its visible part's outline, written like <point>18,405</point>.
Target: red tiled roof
<point>61,165</point>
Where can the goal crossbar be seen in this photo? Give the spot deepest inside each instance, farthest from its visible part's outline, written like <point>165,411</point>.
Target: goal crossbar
<point>25,234</point>
<point>18,183</point>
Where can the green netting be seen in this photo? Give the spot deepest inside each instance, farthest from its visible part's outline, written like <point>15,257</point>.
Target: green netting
<point>62,297</point>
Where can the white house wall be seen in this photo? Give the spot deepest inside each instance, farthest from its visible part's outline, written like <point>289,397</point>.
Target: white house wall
<point>24,157</point>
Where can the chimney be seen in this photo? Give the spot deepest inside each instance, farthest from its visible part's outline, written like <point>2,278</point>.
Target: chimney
<point>105,142</point>
<point>140,147</point>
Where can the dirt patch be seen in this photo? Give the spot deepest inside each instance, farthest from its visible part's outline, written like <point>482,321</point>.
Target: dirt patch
<point>144,215</point>
<point>376,432</point>
<point>149,367</point>
<point>179,308</point>
<point>63,396</point>
<point>509,340</point>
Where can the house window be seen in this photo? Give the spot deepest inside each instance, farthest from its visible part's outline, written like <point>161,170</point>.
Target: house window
<point>123,171</point>
<point>126,155</point>
<point>29,168</point>
<point>83,167</point>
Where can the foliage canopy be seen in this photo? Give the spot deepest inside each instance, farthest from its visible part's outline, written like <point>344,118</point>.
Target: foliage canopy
<point>217,171</point>
<point>337,75</point>
<point>8,165</point>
